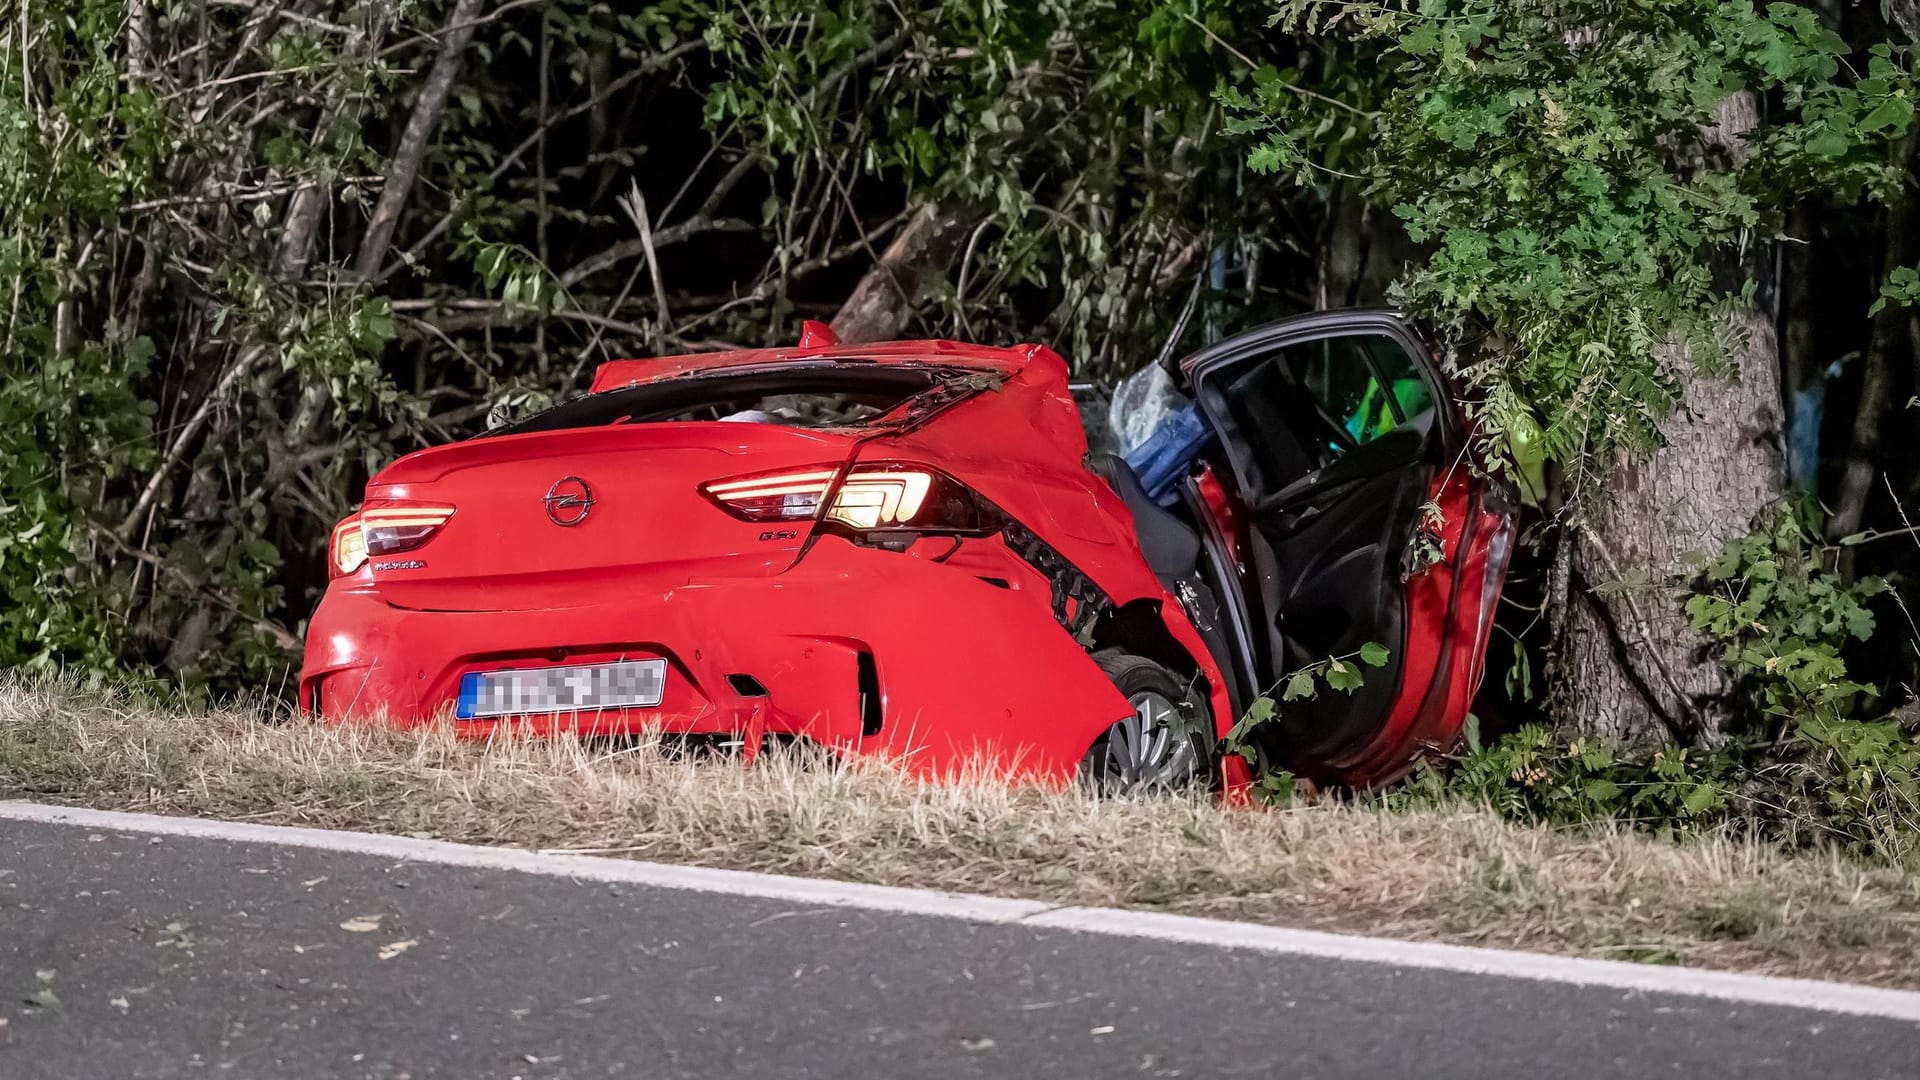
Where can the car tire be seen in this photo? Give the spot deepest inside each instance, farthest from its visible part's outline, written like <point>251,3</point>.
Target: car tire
<point>1166,744</point>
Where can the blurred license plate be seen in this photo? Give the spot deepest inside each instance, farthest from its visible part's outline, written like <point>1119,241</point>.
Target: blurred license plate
<point>524,691</point>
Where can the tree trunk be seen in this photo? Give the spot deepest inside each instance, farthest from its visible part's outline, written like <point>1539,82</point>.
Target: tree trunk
<point>1876,381</point>
<point>887,297</point>
<point>404,166</point>
<point>1905,14</point>
<point>1363,250</point>
<point>1629,663</point>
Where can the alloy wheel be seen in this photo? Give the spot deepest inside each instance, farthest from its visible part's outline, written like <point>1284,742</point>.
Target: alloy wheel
<point>1150,748</point>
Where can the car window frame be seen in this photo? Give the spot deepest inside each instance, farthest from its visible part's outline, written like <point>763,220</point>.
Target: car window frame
<point>1449,423</point>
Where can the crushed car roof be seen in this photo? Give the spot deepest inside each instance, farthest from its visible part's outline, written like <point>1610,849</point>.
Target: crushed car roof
<point>616,374</point>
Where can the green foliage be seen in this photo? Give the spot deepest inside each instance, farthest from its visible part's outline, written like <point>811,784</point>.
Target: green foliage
<point>1570,169</point>
<point>1345,673</point>
<point>1862,778</point>
<point>1780,620</point>
<point>137,246</point>
<point>1850,782</point>
<point>1075,142</point>
<point>186,406</point>
<point>1572,172</point>
<point>1902,288</point>
<point>1535,774</point>
<point>81,401</point>
<point>196,385</point>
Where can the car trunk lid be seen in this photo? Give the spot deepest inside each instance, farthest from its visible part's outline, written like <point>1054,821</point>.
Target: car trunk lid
<point>559,518</point>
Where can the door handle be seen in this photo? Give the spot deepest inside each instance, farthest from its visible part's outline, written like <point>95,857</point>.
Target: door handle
<point>1288,521</point>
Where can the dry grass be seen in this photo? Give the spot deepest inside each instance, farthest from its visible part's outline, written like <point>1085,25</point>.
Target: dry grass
<point>1459,875</point>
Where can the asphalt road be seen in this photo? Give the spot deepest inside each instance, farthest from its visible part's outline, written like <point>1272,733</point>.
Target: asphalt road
<point>145,956</point>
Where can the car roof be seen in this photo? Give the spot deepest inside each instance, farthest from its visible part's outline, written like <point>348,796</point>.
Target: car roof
<point>615,374</point>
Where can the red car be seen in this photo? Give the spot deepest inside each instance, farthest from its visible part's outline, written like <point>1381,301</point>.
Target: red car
<point>903,550</point>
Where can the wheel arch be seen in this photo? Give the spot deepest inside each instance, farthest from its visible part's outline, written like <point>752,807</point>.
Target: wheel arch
<point>1139,626</point>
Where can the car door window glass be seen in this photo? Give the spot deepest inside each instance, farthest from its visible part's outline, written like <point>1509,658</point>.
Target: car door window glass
<point>1367,383</point>
<point>1405,390</point>
<point>1301,407</point>
<point>1336,372</point>
<point>1276,419</point>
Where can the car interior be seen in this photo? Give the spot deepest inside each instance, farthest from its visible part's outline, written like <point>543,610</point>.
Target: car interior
<point>1325,446</point>
<point>832,396</point>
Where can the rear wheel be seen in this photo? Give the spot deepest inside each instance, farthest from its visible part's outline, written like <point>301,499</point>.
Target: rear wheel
<point>1164,744</point>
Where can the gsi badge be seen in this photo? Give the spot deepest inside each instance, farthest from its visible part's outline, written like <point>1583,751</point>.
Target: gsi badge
<point>568,501</point>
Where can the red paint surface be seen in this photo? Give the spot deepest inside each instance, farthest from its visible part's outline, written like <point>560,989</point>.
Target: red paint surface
<point>967,666</point>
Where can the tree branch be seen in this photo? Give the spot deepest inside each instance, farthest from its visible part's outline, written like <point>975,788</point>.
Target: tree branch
<point>627,249</point>
<point>404,168</point>
<point>283,637</point>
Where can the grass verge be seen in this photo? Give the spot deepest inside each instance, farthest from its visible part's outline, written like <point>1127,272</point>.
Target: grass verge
<point>1456,874</point>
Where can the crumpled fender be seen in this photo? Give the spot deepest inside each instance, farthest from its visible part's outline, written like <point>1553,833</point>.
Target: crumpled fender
<point>1033,419</point>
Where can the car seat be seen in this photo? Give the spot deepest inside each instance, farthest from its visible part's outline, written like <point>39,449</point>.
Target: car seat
<point>1171,546</point>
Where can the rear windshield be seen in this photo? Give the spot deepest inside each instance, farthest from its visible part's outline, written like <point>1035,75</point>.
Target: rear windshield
<point>824,397</point>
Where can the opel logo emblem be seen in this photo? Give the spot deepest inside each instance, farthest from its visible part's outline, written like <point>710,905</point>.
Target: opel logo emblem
<point>568,501</point>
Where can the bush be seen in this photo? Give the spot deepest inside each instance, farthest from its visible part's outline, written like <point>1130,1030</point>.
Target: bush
<point>1805,767</point>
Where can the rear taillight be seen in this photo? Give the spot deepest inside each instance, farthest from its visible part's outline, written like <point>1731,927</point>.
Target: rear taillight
<point>871,498</point>
<point>782,496</point>
<point>347,548</point>
<point>882,499</point>
<point>386,529</point>
<point>391,529</point>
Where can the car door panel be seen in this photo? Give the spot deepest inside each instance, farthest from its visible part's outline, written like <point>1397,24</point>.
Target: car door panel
<point>1336,427</point>
<point>1341,479</point>
<point>1330,585</point>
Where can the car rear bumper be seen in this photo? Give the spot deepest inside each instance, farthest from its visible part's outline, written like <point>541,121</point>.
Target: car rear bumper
<point>868,651</point>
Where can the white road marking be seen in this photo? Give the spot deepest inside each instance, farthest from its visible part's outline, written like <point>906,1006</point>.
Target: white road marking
<point>1719,985</point>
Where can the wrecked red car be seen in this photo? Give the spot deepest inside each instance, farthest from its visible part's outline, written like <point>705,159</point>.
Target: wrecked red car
<point>904,550</point>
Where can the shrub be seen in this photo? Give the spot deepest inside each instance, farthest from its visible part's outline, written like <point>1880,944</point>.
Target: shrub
<point>1806,767</point>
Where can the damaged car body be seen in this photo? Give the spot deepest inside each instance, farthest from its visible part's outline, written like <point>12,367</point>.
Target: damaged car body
<point>904,550</point>
<point>1328,481</point>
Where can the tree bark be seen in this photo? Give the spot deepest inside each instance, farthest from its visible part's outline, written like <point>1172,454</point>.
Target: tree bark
<point>139,42</point>
<point>1631,664</point>
<point>1362,250</point>
<point>1905,14</point>
<point>404,167</point>
<point>888,296</point>
<point>1342,247</point>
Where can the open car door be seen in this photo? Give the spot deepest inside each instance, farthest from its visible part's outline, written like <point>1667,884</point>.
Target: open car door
<point>1364,522</point>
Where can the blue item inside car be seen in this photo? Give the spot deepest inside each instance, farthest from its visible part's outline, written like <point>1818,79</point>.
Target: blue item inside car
<point>1169,452</point>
